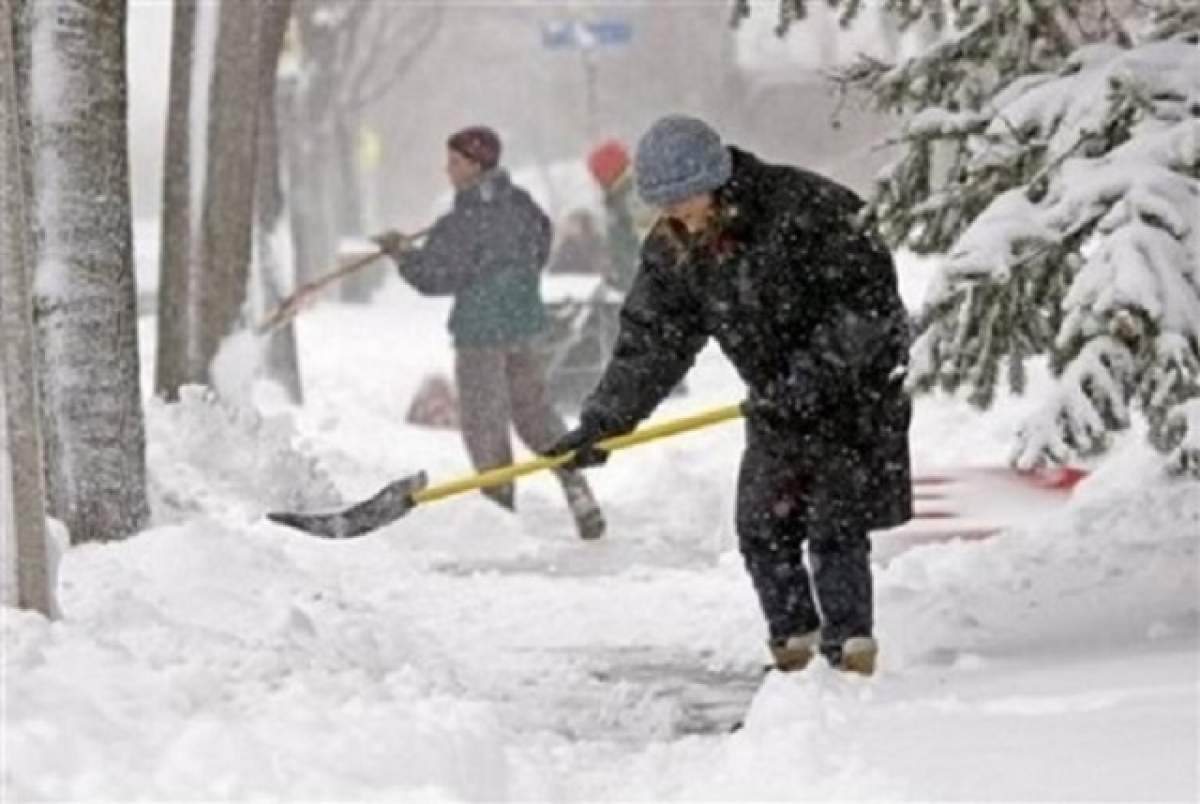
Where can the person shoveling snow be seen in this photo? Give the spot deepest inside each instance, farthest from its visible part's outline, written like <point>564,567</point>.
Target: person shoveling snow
<point>769,261</point>
<point>488,252</point>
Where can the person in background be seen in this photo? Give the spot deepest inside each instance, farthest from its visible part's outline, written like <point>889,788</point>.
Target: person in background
<point>629,220</point>
<point>582,249</point>
<point>488,253</point>
<point>771,262</point>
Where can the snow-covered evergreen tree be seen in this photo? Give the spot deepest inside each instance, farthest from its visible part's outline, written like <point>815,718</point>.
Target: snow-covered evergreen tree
<point>1052,150</point>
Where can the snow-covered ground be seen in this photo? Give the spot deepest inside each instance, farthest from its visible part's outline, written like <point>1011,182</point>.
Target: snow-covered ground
<point>467,654</point>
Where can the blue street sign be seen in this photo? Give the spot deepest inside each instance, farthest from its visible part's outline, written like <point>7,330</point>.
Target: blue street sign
<point>565,34</point>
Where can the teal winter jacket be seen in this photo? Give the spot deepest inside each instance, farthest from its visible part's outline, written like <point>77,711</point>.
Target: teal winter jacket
<point>488,252</point>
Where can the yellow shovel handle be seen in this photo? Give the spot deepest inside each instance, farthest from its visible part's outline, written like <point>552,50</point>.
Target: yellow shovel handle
<point>503,474</point>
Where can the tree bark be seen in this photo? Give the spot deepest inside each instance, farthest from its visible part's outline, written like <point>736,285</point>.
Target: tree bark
<point>83,285</point>
<point>227,217</point>
<point>282,361</point>
<point>175,254</point>
<point>312,234</point>
<point>23,513</point>
<point>312,162</point>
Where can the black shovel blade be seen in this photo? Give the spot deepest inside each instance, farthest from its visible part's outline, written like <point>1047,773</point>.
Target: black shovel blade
<point>389,504</point>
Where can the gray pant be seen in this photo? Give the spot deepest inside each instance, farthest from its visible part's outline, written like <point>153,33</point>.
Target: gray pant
<point>498,385</point>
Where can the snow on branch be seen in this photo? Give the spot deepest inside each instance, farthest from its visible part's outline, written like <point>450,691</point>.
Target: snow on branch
<point>1183,425</point>
<point>980,46</point>
<point>1173,19</point>
<point>936,122</point>
<point>999,240</point>
<point>1089,401</point>
<point>1085,247</point>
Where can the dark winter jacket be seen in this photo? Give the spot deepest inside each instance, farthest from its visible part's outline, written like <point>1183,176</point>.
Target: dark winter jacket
<point>807,309</point>
<point>488,252</point>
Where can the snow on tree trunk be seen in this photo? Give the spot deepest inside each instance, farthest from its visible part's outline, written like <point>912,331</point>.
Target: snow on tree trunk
<point>175,258</point>
<point>83,285</point>
<point>22,507</point>
<point>227,215</point>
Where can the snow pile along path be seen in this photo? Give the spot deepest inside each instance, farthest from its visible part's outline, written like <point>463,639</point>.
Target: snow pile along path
<point>464,653</point>
<point>201,661</point>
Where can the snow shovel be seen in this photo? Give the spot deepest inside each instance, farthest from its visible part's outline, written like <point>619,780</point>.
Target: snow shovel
<point>289,307</point>
<point>400,496</point>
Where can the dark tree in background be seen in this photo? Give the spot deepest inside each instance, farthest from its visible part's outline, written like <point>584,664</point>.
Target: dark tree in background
<point>282,361</point>
<point>220,263</point>
<point>350,53</point>
<point>22,505</point>
<point>175,255</point>
<point>227,212</point>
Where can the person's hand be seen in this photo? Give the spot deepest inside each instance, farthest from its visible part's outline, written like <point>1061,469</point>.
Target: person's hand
<point>582,441</point>
<point>757,406</point>
<point>392,242</point>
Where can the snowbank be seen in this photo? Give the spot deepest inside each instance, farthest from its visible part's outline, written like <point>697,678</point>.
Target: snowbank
<point>467,654</point>
<point>185,669</point>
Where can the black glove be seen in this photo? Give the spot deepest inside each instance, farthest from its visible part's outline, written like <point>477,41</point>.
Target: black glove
<point>392,243</point>
<point>582,441</point>
<point>756,407</point>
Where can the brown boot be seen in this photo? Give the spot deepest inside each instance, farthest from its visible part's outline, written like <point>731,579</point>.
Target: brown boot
<point>858,655</point>
<point>795,652</point>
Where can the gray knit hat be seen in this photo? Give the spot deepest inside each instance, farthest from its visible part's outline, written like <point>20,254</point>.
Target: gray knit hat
<point>680,157</point>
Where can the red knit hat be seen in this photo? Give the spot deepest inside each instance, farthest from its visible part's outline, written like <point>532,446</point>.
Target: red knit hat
<point>478,143</point>
<point>607,162</point>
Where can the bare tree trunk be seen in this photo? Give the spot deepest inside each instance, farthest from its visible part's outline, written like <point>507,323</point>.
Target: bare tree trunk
<point>312,240</point>
<point>175,256</point>
<point>349,192</point>
<point>84,295</point>
<point>361,285</point>
<point>282,361</point>
<point>269,193</point>
<point>311,159</point>
<point>227,216</point>
<point>23,513</point>
<point>353,52</point>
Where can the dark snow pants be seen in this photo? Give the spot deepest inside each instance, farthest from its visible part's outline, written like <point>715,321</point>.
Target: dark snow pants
<point>778,514</point>
<point>498,385</point>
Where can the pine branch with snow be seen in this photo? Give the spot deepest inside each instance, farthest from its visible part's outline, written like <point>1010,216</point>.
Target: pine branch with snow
<point>1052,152</point>
<point>1093,260</point>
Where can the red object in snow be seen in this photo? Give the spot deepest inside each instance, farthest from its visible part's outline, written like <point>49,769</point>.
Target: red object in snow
<point>975,503</point>
<point>1064,478</point>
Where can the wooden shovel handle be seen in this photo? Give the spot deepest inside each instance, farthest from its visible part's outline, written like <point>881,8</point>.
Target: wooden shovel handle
<point>288,308</point>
